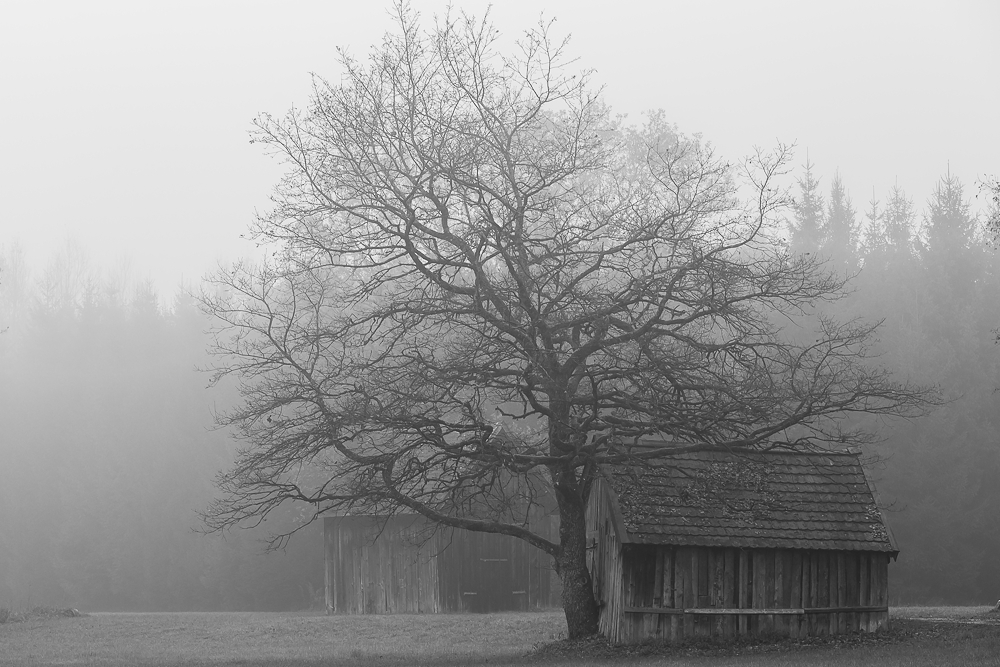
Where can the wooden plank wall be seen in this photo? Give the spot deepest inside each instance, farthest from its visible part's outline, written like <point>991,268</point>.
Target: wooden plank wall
<point>544,590</point>
<point>477,573</point>
<point>396,573</point>
<point>404,567</point>
<point>485,572</point>
<point>659,582</point>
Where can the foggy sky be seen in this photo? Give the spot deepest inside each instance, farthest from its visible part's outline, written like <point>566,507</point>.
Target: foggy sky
<point>125,124</point>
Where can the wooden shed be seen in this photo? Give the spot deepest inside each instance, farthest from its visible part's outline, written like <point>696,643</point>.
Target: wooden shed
<point>402,564</point>
<point>719,545</point>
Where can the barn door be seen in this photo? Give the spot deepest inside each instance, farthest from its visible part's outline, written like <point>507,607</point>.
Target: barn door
<point>495,589</point>
<point>487,582</point>
<point>484,572</point>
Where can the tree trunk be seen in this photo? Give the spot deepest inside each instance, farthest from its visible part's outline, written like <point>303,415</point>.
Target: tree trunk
<point>579,604</point>
<point>578,600</point>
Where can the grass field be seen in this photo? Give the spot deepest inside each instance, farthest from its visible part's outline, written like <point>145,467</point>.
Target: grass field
<point>920,636</point>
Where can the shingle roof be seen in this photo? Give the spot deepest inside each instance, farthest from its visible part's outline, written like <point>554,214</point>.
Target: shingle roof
<point>775,500</point>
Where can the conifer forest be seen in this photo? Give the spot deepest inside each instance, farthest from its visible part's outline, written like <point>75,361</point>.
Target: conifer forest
<point>111,450</point>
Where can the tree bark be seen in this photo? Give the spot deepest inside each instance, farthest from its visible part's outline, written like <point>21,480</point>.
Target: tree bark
<point>579,604</point>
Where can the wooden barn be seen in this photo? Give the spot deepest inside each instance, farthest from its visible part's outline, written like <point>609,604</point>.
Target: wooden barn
<point>403,565</point>
<point>717,545</point>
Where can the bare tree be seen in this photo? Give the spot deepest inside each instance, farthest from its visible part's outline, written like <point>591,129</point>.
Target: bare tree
<point>485,285</point>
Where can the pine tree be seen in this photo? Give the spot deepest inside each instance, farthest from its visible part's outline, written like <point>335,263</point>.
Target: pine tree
<point>807,230</point>
<point>841,242</point>
<point>889,231</point>
<point>948,226</point>
<point>890,265</point>
<point>950,254</point>
<point>874,242</point>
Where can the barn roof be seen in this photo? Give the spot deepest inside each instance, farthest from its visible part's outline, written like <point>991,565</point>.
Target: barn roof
<point>765,500</point>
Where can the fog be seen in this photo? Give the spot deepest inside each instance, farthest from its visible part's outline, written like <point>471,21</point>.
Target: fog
<point>108,447</point>
<point>127,125</point>
<point>108,453</point>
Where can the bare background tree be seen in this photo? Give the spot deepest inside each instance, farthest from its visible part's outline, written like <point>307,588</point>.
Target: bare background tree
<point>485,285</point>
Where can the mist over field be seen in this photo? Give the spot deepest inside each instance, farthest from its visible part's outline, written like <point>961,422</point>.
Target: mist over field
<point>109,451</point>
<point>110,445</point>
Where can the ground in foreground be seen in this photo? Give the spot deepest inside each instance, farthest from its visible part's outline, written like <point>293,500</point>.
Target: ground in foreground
<point>920,636</point>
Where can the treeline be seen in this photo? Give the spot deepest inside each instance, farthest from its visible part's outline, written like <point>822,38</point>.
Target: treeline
<point>928,271</point>
<point>107,452</point>
<point>107,446</point>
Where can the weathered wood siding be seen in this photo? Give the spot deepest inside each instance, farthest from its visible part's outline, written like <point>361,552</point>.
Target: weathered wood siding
<point>672,593</point>
<point>485,572</point>
<point>380,567</point>
<point>404,566</point>
<point>669,593</point>
<point>604,558</point>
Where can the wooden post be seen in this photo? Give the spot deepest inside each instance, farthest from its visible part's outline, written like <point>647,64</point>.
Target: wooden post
<point>864,592</point>
<point>717,585</point>
<point>795,590</point>
<point>329,558</point>
<point>745,590</point>
<point>658,600</point>
<point>841,591</point>
<point>834,584</point>
<point>690,560</point>
<point>882,595</point>
<point>677,583</point>
<point>729,594</point>
<point>810,580</point>
<point>760,586</point>
<point>823,590</point>
<point>780,623</point>
<point>851,572</point>
<point>658,578</point>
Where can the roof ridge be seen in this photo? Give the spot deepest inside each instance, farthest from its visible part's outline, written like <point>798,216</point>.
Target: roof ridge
<point>649,443</point>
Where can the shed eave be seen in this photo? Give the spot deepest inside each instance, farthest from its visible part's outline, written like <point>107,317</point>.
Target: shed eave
<point>878,503</point>
<point>762,543</point>
<point>618,522</point>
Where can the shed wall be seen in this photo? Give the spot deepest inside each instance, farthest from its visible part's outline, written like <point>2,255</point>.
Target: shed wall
<point>403,565</point>
<point>672,593</point>
<point>604,558</point>
<point>380,567</point>
<point>486,572</point>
